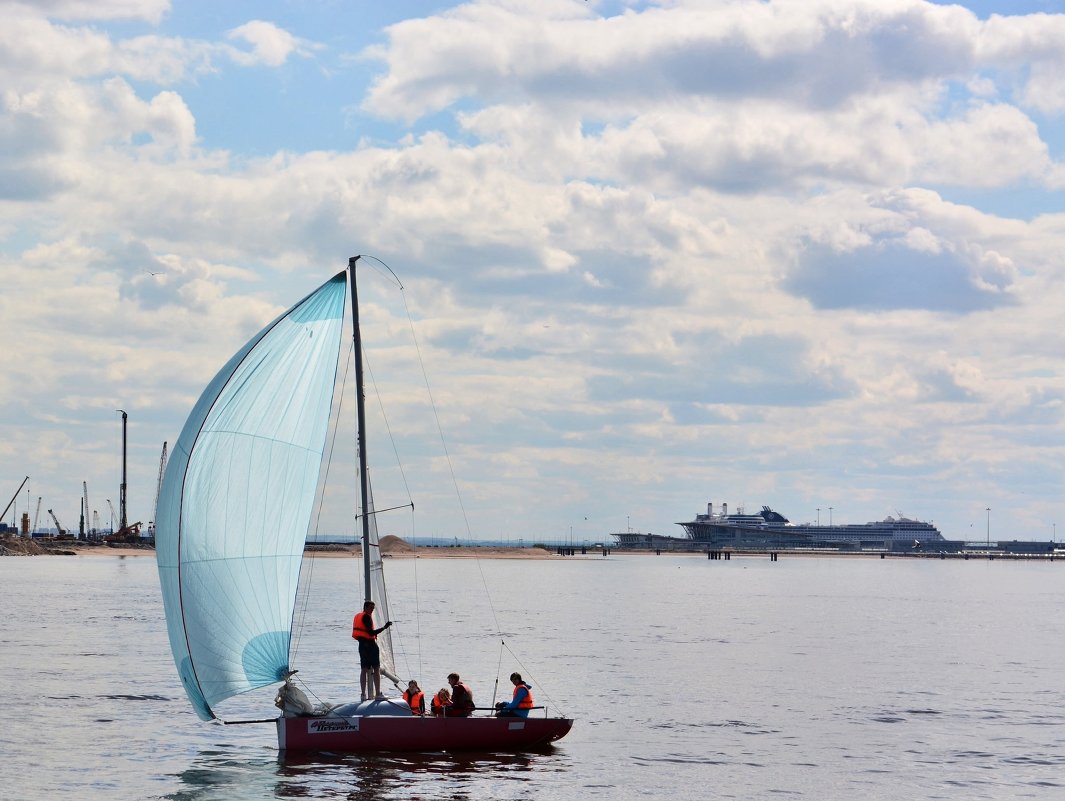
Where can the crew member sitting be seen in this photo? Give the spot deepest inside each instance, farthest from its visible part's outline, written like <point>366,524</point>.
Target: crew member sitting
<point>520,704</point>
<point>461,698</point>
<point>441,703</point>
<point>414,697</point>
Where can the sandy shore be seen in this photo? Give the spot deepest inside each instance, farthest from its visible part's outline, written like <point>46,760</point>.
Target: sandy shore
<point>393,547</point>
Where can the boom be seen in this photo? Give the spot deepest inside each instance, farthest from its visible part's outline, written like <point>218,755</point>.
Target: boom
<point>20,486</point>
<point>58,526</point>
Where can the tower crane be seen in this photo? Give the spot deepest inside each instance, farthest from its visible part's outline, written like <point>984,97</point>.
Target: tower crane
<point>83,502</point>
<point>85,498</point>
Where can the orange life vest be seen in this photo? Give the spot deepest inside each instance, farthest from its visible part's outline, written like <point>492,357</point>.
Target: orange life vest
<point>527,701</point>
<point>439,708</point>
<point>362,627</point>
<point>415,701</point>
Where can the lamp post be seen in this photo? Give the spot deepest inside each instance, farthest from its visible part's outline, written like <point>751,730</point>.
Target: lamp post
<point>818,515</point>
<point>988,510</point>
<point>830,517</point>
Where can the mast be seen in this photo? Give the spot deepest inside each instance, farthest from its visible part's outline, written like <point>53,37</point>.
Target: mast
<point>122,488</point>
<point>360,404</point>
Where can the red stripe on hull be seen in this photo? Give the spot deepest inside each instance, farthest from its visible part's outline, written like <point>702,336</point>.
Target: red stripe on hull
<point>389,733</point>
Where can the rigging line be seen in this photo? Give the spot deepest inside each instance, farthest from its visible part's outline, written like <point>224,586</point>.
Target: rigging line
<point>388,428</point>
<point>443,442</point>
<point>417,596</point>
<point>527,675</point>
<point>399,465</point>
<point>499,664</point>
<point>298,626</point>
<point>307,687</point>
<point>376,512</point>
<point>447,455</point>
<point>394,279</point>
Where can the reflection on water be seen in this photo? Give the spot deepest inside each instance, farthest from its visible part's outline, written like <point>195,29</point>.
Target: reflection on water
<point>223,774</point>
<point>235,774</point>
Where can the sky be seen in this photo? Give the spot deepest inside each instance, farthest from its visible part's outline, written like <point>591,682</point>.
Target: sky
<point>800,253</point>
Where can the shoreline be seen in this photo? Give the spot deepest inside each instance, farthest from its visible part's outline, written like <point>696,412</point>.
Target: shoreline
<point>391,548</point>
<point>395,548</point>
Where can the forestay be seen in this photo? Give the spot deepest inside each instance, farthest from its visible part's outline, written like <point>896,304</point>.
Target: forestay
<point>237,498</point>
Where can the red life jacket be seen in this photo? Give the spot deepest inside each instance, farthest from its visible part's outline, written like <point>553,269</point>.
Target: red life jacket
<point>415,701</point>
<point>362,627</point>
<point>461,699</point>
<point>527,701</point>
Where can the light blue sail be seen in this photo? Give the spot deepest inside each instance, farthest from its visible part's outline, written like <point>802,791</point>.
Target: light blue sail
<point>236,502</point>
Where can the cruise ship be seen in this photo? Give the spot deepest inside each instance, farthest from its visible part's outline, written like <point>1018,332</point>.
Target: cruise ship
<point>770,529</point>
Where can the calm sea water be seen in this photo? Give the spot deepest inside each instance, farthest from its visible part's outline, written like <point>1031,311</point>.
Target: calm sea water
<point>804,678</point>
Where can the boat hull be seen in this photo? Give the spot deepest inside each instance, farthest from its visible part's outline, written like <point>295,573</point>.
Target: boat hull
<point>392,733</point>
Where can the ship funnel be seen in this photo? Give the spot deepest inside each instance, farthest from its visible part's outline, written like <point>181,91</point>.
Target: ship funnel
<point>724,510</point>
<point>709,508</point>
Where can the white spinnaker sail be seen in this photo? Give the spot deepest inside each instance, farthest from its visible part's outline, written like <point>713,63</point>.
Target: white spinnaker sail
<point>236,502</point>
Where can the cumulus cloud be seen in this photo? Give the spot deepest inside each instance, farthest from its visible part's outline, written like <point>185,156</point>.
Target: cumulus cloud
<point>692,222</point>
<point>889,275</point>
<point>724,50</point>
<point>148,10</point>
<point>271,45</point>
<point>33,48</point>
<point>738,96</point>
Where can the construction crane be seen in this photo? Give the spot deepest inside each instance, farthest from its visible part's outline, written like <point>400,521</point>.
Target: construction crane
<point>112,508</point>
<point>58,526</point>
<point>130,533</point>
<point>85,499</point>
<point>13,497</point>
<point>158,490</point>
<point>36,516</point>
<point>83,523</point>
<point>122,488</point>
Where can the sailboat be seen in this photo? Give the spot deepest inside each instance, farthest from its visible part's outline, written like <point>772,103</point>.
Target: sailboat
<point>235,507</point>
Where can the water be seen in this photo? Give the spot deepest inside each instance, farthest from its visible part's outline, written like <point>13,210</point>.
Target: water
<point>804,678</point>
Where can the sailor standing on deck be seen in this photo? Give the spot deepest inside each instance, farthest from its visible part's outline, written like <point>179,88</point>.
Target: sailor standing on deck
<point>369,654</point>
